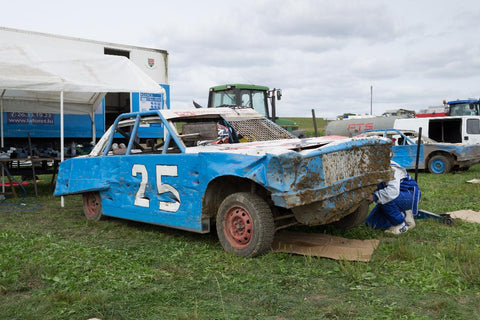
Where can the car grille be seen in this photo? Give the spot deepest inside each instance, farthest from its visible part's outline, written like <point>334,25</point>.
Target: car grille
<point>260,130</point>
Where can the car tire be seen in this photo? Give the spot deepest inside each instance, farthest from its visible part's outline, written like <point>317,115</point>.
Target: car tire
<point>245,225</point>
<point>92,206</point>
<point>439,164</point>
<point>355,218</point>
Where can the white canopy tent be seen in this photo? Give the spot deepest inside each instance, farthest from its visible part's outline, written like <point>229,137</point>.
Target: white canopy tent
<point>63,84</point>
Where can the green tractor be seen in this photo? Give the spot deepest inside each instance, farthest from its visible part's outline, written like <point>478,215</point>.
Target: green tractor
<point>250,96</point>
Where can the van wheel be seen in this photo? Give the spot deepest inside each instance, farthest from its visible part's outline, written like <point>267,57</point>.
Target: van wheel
<point>355,218</point>
<point>92,206</point>
<point>245,225</point>
<point>439,164</point>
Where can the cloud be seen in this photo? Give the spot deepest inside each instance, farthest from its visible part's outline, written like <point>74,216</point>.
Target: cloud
<point>328,19</point>
<point>311,49</point>
<point>460,60</point>
<point>324,54</point>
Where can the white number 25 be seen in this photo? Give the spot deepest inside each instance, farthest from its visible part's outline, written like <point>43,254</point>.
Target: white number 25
<point>160,170</point>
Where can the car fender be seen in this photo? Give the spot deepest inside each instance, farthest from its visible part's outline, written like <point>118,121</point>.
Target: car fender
<point>80,179</point>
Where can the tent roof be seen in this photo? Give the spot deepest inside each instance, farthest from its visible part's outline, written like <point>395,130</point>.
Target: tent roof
<point>31,84</point>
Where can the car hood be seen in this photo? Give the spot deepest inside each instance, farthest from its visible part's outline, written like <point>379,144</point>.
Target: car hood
<point>273,146</point>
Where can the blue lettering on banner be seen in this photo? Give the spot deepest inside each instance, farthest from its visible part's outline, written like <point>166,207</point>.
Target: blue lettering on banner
<point>150,101</point>
<point>30,118</point>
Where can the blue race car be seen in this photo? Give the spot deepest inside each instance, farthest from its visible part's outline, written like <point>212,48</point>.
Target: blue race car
<point>437,157</point>
<point>231,167</point>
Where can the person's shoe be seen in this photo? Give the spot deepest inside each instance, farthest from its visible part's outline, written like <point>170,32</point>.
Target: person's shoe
<point>401,228</point>
<point>409,220</point>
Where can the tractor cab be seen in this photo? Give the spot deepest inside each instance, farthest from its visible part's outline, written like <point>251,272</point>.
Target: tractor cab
<point>470,107</point>
<point>251,96</point>
<point>240,95</point>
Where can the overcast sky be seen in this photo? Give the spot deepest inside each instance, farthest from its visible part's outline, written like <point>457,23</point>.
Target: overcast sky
<point>324,55</point>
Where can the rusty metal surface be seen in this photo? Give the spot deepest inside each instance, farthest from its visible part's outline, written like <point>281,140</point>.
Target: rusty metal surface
<point>347,167</point>
<point>331,209</point>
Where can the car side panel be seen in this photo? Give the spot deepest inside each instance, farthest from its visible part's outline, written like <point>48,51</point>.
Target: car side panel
<point>405,156</point>
<point>158,189</point>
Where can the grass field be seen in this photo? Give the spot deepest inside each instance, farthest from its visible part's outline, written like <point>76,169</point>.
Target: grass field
<point>308,125</point>
<point>56,265</point>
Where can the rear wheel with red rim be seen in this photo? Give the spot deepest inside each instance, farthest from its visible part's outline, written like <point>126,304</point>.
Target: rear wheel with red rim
<point>92,206</point>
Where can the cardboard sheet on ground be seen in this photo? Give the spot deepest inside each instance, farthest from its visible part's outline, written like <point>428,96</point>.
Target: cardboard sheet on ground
<point>324,245</point>
<point>466,215</point>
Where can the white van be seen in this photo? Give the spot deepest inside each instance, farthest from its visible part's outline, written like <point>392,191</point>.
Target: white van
<point>464,129</point>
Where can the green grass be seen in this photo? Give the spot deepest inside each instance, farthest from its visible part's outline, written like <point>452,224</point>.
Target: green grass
<point>308,125</point>
<point>56,265</point>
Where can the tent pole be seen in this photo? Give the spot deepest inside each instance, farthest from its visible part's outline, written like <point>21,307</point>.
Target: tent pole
<point>62,143</point>
<point>94,129</point>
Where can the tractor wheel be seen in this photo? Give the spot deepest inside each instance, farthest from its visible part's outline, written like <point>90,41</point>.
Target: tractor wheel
<point>355,218</point>
<point>92,206</point>
<point>439,164</point>
<point>245,225</point>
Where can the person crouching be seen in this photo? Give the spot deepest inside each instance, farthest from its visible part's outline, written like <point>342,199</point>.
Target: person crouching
<point>396,203</point>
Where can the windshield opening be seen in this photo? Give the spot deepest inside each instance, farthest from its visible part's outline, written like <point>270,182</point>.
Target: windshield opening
<point>224,98</point>
<point>254,99</point>
<point>465,109</point>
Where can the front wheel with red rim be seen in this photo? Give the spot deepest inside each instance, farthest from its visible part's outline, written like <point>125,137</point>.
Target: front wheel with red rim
<point>245,225</point>
<point>92,206</point>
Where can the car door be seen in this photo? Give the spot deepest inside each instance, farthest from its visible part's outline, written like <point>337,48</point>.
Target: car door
<point>405,153</point>
<point>471,134</point>
<point>155,182</point>
<point>157,188</point>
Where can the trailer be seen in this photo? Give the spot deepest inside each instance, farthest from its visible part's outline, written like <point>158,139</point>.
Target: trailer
<point>46,126</point>
<point>433,111</point>
<point>356,125</point>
